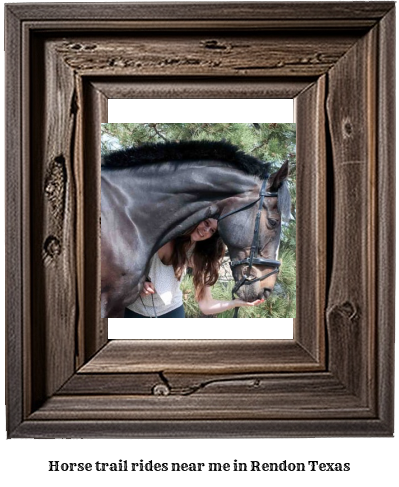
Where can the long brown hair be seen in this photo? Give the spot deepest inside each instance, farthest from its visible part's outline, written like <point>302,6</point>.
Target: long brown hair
<point>206,258</point>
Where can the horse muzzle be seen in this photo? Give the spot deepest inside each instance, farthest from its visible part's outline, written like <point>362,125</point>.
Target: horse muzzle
<point>248,286</point>
<point>252,291</point>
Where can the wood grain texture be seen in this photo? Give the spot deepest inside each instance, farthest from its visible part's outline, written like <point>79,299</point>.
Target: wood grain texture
<point>319,384</point>
<point>351,307</point>
<point>95,329</point>
<point>15,261</point>
<point>340,26</point>
<point>210,400</point>
<point>203,407</point>
<point>218,55</point>
<point>200,356</point>
<point>385,224</point>
<point>111,384</point>
<point>208,11</point>
<point>175,87</point>
<point>53,214</point>
<point>116,428</point>
<point>185,384</point>
<point>312,237</point>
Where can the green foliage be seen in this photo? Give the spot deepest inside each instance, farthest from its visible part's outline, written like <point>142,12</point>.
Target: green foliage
<point>271,142</point>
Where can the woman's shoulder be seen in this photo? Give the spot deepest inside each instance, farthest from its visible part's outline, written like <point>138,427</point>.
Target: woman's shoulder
<point>166,251</point>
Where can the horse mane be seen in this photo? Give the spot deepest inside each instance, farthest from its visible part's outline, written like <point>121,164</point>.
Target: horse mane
<point>194,150</point>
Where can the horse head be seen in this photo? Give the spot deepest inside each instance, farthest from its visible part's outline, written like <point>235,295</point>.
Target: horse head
<point>252,234</point>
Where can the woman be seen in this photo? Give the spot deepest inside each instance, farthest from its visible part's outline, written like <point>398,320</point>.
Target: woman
<point>200,248</point>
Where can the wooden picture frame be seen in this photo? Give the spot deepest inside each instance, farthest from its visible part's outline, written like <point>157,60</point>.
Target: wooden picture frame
<point>64,379</point>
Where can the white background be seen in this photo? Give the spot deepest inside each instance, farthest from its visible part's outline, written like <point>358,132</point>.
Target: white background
<point>373,460</point>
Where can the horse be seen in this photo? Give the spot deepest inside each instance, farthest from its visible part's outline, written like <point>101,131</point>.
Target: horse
<point>153,193</point>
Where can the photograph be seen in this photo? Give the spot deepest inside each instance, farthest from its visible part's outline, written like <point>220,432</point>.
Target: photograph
<point>198,219</point>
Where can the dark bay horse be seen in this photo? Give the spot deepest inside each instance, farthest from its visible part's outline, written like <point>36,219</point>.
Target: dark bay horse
<point>153,193</point>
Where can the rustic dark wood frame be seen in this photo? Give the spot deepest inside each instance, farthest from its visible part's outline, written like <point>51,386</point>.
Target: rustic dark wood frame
<point>336,376</point>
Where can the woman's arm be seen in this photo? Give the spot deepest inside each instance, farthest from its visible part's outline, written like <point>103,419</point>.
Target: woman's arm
<point>210,306</point>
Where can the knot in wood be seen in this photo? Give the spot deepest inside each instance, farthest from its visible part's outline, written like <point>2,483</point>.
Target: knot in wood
<point>161,390</point>
<point>52,246</point>
<point>90,47</point>
<point>349,310</point>
<point>213,44</point>
<point>343,314</point>
<point>347,128</point>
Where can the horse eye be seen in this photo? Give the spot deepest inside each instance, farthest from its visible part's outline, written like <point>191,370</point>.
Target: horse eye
<point>273,223</point>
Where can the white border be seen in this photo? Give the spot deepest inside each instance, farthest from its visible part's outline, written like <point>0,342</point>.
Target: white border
<point>201,111</point>
<point>201,329</point>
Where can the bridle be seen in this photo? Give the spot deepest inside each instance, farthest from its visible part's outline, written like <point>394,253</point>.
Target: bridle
<point>252,260</point>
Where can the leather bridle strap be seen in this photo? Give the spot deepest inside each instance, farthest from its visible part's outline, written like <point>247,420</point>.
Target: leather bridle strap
<point>237,210</point>
<point>255,241</point>
<point>247,279</point>
<point>262,195</point>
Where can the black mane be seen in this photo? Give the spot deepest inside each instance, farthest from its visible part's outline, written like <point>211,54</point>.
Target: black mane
<point>186,151</point>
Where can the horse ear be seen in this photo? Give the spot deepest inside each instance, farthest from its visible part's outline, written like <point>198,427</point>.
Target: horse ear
<point>277,178</point>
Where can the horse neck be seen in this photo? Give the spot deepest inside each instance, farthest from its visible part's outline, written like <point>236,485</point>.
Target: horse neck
<point>173,198</point>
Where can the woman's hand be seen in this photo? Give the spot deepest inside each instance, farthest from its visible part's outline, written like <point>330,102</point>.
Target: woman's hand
<point>240,302</point>
<point>148,288</point>
<point>210,306</point>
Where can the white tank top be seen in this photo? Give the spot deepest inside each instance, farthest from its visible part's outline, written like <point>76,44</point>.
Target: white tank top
<point>168,295</point>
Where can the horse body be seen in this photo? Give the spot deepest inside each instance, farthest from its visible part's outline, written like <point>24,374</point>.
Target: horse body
<point>145,206</point>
